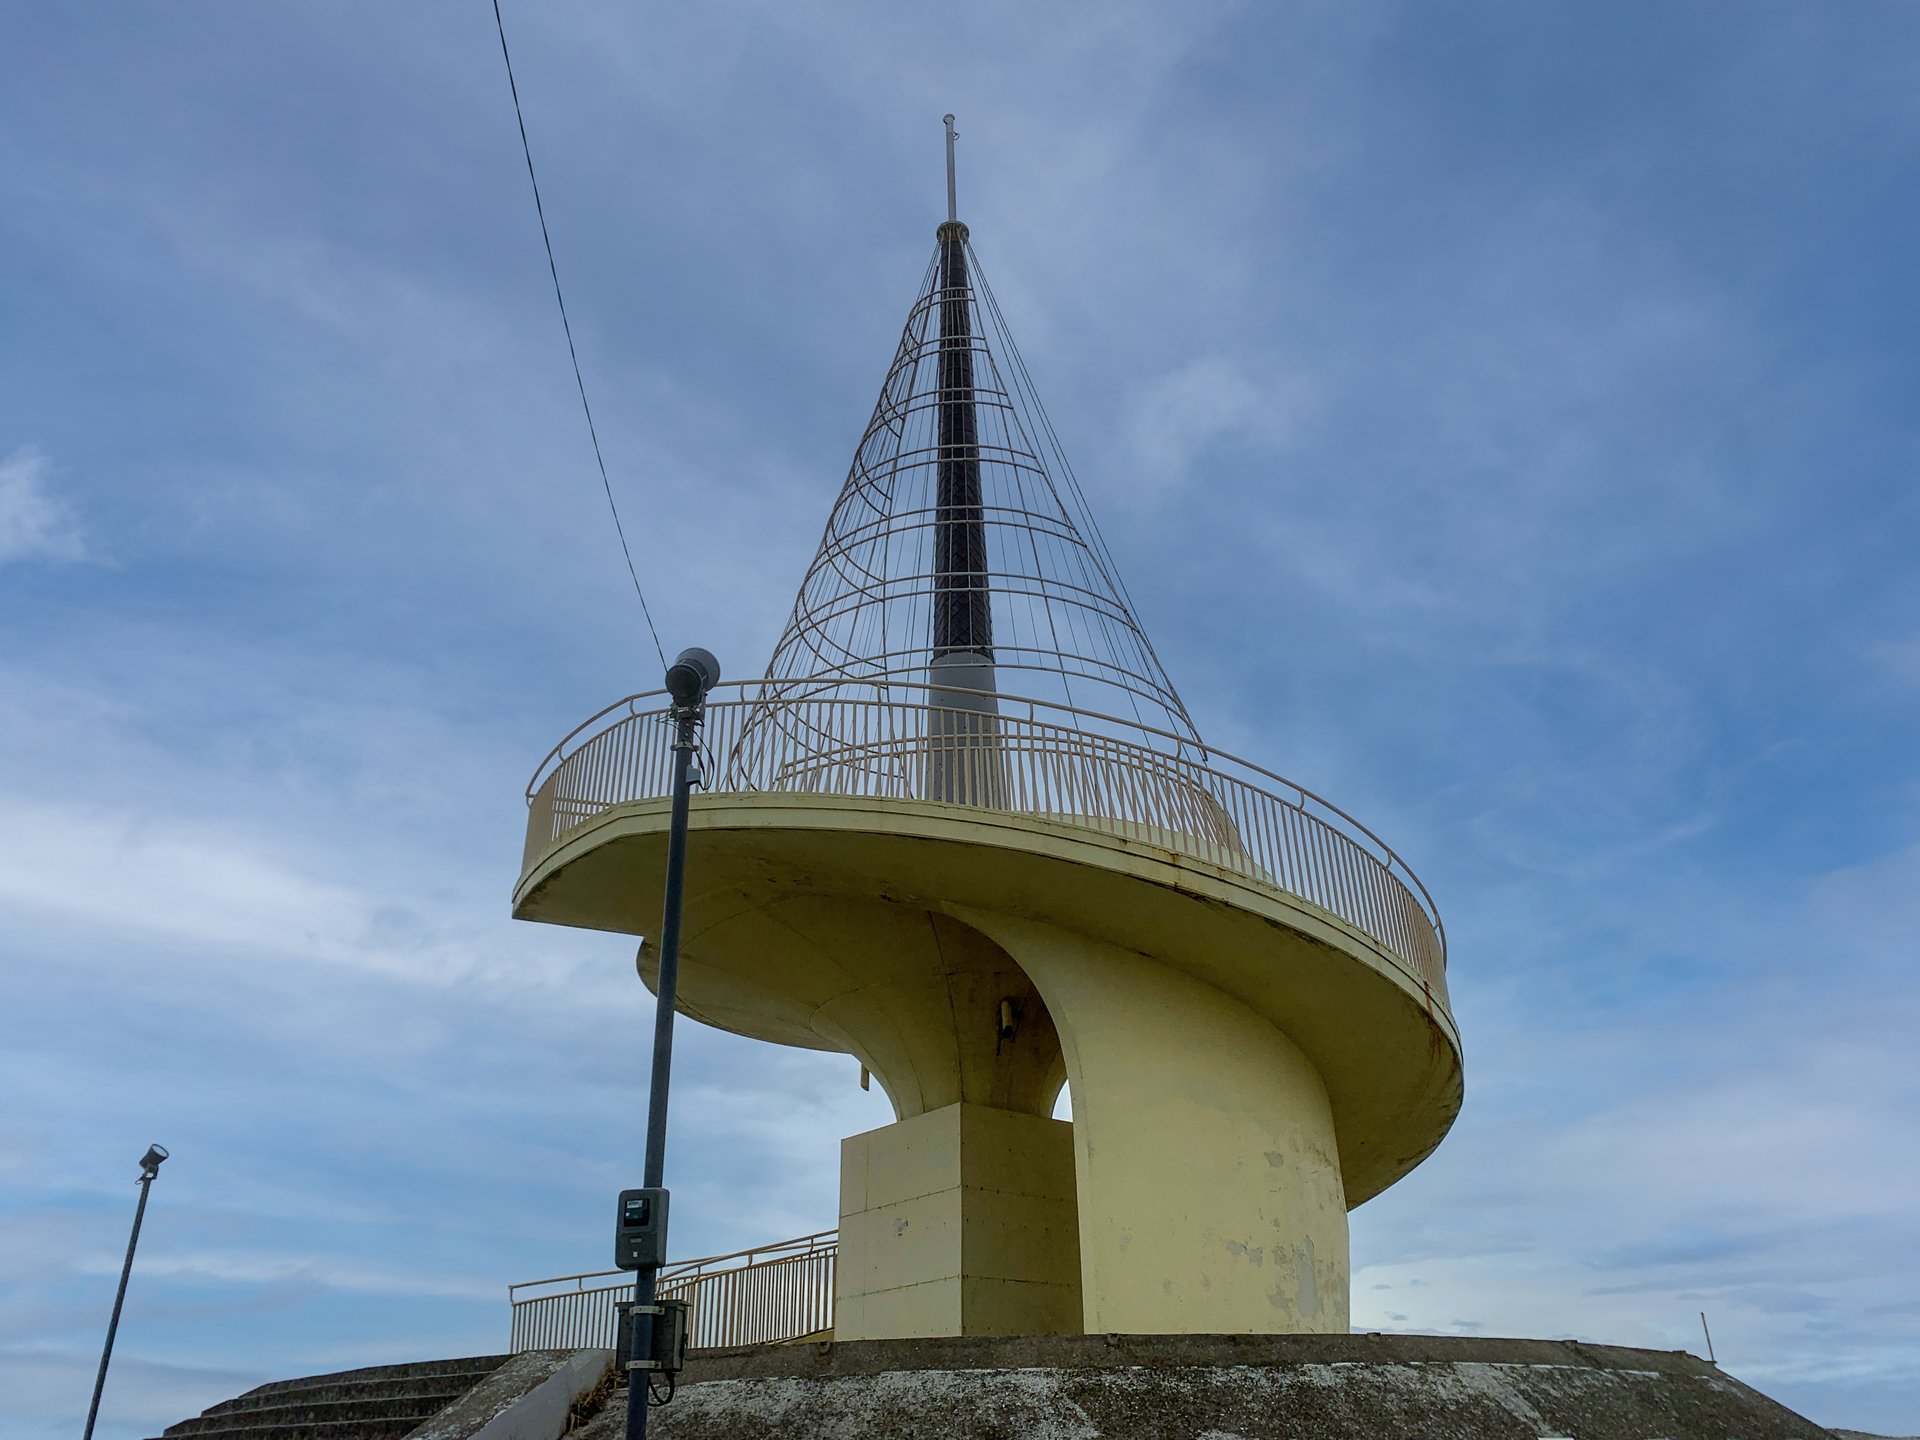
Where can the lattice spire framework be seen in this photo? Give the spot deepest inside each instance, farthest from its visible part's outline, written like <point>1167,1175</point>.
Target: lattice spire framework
<point>962,534</point>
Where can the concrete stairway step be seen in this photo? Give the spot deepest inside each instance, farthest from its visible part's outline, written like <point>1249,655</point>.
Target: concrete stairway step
<point>376,1402</point>
<point>417,1370</point>
<point>410,1411</point>
<point>313,1430</point>
<point>324,1388</point>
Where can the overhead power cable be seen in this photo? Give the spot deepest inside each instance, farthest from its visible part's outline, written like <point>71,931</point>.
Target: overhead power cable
<point>573,353</point>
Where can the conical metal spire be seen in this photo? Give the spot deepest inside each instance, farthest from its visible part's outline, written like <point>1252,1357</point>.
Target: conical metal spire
<point>960,554</point>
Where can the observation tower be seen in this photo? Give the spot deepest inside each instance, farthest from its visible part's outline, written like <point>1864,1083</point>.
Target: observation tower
<point>965,831</point>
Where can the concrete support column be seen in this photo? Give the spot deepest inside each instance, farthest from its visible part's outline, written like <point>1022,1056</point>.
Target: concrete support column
<point>958,1221</point>
<point>1208,1176</point>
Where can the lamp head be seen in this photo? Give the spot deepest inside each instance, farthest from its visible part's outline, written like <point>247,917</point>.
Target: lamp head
<point>691,676</point>
<point>150,1162</point>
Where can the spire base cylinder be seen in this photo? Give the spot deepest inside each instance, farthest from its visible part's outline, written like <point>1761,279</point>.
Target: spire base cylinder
<point>964,763</point>
<point>1209,1190</point>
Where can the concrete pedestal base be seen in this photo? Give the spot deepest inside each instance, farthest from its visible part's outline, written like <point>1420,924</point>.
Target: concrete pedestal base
<point>960,1221</point>
<point>1220,1387</point>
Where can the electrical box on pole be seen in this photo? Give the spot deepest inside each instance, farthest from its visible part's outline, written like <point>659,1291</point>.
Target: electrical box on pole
<point>640,1232</point>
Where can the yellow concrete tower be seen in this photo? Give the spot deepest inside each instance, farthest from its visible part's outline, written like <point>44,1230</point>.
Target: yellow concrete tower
<point>965,831</point>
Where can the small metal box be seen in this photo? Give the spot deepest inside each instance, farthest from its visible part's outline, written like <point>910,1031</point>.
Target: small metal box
<point>640,1231</point>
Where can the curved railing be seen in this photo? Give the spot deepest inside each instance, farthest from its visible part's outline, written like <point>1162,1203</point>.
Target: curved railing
<point>1024,757</point>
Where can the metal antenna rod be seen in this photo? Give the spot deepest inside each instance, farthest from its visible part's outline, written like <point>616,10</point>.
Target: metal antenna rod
<point>953,208</point>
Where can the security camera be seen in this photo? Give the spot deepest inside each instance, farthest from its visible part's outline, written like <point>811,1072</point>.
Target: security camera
<point>691,676</point>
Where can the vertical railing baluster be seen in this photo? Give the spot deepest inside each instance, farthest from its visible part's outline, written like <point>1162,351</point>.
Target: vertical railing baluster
<point>1317,843</point>
<point>1298,855</point>
<point>1340,848</point>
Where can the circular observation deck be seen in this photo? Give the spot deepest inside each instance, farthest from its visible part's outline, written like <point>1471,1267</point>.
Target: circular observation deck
<point>894,798</point>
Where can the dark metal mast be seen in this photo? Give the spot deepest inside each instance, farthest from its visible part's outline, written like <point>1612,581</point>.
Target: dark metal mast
<point>962,612</point>
<point>963,753</point>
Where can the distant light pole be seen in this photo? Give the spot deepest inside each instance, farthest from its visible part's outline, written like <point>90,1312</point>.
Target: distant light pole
<point>689,679</point>
<point>149,1167</point>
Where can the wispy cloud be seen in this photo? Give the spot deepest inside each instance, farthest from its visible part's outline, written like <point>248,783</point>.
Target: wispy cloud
<point>35,523</point>
<point>1181,418</point>
<point>279,1268</point>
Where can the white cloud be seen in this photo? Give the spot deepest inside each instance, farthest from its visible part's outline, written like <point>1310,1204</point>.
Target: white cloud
<point>224,890</point>
<point>1735,1148</point>
<point>34,523</point>
<point>236,1267</point>
<point>127,871</point>
<point>1177,416</point>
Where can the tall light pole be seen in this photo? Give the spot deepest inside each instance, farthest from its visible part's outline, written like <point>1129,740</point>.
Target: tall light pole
<point>149,1167</point>
<point>643,1213</point>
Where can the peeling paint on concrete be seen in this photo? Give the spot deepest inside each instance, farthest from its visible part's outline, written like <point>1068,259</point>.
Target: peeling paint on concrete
<point>1309,1283</point>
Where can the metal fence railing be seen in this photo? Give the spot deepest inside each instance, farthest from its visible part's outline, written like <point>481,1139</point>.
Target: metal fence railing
<point>771,1293</point>
<point>1029,757</point>
<point>576,1314</point>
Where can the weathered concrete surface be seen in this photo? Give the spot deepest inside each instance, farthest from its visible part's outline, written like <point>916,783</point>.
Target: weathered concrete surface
<point>531,1397</point>
<point>959,1221</point>
<point>1200,1387</point>
<point>1206,1161</point>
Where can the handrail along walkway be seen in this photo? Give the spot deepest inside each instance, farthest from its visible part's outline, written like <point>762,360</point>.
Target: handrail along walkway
<point>782,1291</point>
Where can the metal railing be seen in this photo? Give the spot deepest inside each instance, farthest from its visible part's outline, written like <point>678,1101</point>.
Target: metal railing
<point>1027,757</point>
<point>761,1296</point>
<point>777,1292</point>
<point>577,1316</point>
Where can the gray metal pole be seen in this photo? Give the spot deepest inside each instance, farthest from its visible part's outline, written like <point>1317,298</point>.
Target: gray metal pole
<point>953,204</point>
<point>687,718</point>
<point>120,1297</point>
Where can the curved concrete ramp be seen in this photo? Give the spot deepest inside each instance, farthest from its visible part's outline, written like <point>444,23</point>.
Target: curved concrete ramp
<point>1211,1387</point>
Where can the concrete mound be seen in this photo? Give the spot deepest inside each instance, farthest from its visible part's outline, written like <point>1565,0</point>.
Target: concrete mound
<point>1210,1387</point>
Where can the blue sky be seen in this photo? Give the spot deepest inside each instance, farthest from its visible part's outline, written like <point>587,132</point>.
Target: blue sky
<point>1503,415</point>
